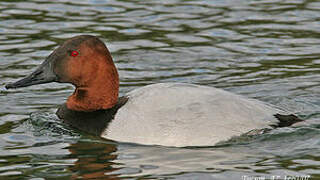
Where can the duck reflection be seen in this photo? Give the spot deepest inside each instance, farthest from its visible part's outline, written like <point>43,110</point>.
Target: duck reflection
<point>94,160</point>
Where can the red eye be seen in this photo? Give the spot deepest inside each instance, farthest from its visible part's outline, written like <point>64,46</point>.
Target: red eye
<point>74,53</point>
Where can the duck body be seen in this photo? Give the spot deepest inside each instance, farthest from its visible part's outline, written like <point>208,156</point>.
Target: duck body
<point>169,114</point>
<point>177,114</point>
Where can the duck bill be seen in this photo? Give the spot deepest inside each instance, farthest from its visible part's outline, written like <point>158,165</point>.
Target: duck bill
<point>43,74</point>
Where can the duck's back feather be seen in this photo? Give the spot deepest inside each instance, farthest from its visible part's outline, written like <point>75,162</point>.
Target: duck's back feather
<point>177,114</point>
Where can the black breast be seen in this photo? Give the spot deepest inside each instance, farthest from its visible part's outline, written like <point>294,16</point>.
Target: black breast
<point>94,122</point>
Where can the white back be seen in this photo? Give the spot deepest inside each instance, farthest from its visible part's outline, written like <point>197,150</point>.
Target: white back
<point>177,114</point>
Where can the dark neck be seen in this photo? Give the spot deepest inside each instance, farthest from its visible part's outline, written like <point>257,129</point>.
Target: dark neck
<point>94,122</point>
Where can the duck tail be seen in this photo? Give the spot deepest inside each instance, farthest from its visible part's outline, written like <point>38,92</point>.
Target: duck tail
<point>286,120</point>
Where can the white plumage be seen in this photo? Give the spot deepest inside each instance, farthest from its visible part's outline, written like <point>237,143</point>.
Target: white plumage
<point>177,114</point>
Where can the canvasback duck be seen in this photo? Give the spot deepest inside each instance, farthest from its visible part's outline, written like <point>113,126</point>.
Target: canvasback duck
<point>168,114</point>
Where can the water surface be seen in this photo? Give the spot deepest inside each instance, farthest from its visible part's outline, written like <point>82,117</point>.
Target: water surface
<point>268,50</point>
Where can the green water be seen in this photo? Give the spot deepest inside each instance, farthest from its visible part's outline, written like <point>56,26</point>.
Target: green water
<point>268,50</point>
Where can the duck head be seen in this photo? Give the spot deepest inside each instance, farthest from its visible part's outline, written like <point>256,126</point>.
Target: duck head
<point>85,62</point>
